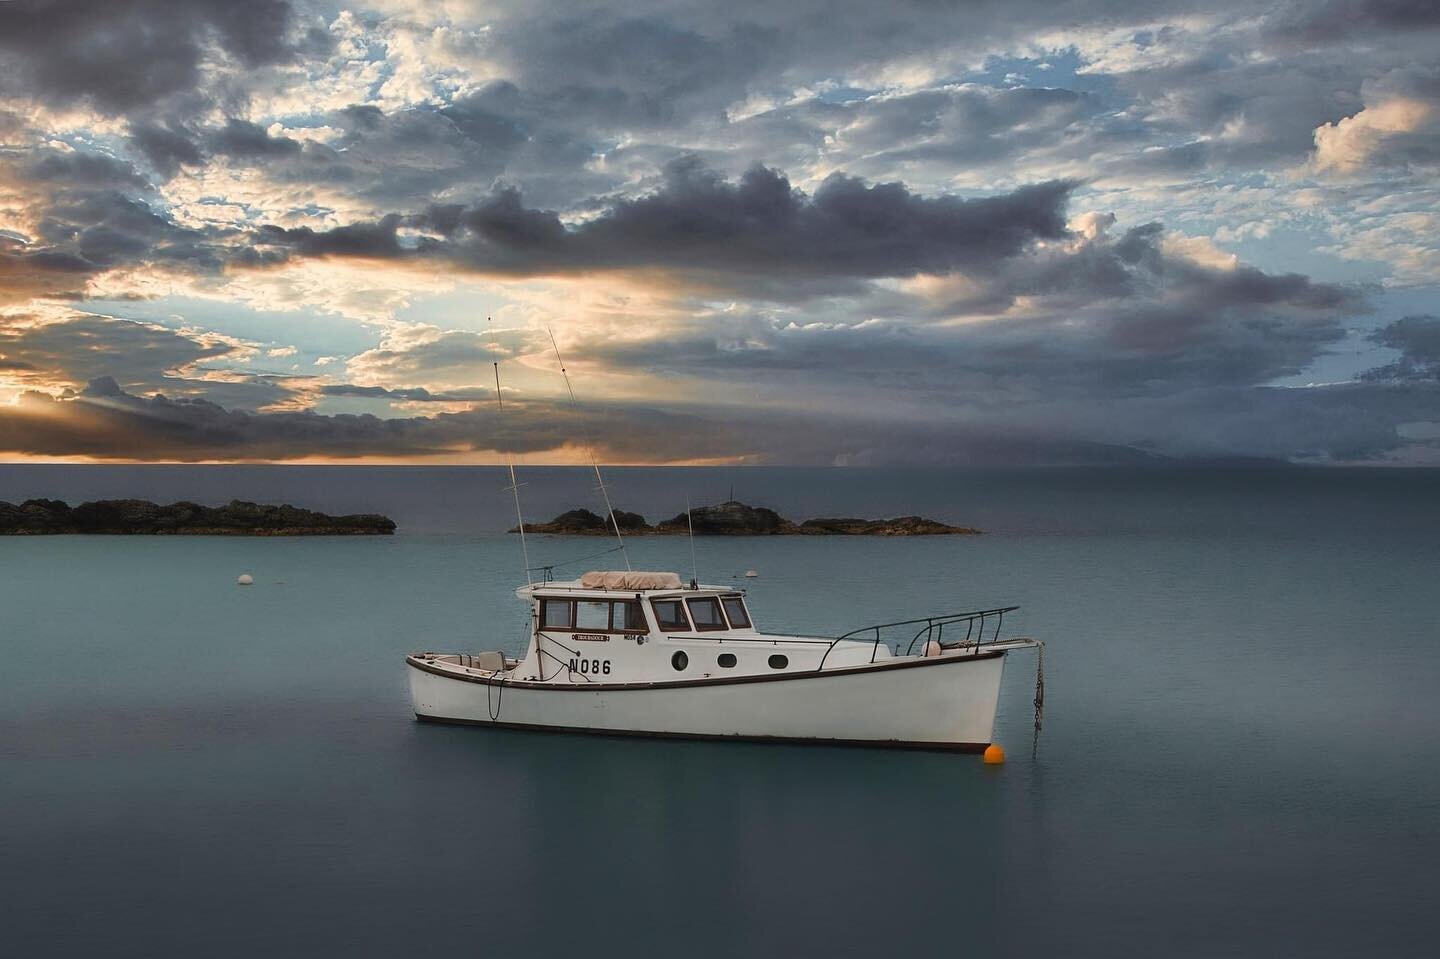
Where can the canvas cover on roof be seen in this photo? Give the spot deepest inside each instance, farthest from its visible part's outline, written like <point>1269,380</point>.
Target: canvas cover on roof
<point>601,579</point>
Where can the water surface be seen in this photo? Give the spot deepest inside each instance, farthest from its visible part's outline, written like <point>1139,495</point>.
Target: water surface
<point>1240,755</point>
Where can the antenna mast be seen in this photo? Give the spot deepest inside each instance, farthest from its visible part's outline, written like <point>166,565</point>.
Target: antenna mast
<point>590,451</point>
<point>514,487</point>
<point>694,569</point>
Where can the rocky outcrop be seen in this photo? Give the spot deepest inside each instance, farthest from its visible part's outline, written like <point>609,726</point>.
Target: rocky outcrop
<point>900,526</point>
<point>740,519</point>
<point>141,517</point>
<point>582,522</point>
<point>729,519</point>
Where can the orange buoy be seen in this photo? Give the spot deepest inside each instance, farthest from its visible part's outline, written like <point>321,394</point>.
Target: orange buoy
<point>994,754</point>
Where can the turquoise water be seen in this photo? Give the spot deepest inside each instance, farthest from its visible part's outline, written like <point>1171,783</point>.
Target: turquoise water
<point>1241,753</point>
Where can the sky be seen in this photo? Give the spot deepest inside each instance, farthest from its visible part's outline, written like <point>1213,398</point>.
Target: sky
<point>837,233</point>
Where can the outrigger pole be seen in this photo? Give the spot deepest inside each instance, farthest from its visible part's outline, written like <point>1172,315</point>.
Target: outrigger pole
<point>514,487</point>
<point>590,451</point>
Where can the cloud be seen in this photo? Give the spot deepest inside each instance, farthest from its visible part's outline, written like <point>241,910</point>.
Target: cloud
<point>1343,19</point>
<point>1106,316</point>
<point>1417,337</point>
<point>105,422</point>
<point>166,147</point>
<point>83,213</point>
<point>1352,423</point>
<point>243,140</point>
<point>269,173</point>
<point>84,347</point>
<point>412,395</point>
<point>120,54</point>
<point>697,221</point>
<point>1350,145</point>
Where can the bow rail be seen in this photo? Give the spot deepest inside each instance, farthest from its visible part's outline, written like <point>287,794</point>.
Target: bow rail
<point>977,624</point>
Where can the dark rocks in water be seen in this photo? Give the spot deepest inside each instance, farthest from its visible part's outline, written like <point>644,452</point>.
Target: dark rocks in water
<point>739,519</point>
<point>582,522</point>
<point>141,517</point>
<point>729,519</point>
<point>899,526</point>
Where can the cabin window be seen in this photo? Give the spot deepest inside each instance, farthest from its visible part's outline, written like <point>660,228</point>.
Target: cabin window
<point>726,659</point>
<point>592,617</point>
<point>670,614</point>
<point>706,613</point>
<point>679,660</point>
<point>557,614</point>
<point>629,616</point>
<point>735,609</point>
<point>779,661</point>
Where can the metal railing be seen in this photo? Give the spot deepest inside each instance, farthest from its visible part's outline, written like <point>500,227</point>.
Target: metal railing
<point>977,623</point>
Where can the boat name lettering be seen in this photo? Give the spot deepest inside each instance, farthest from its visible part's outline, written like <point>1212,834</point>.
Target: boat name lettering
<point>590,667</point>
<point>592,638</point>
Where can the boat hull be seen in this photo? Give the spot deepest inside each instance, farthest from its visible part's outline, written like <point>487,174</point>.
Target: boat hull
<point>939,703</point>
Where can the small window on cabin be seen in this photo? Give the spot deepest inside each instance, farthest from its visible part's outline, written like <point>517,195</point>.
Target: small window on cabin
<point>592,617</point>
<point>670,614</point>
<point>779,661</point>
<point>706,613</point>
<point>735,609</point>
<point>557,613</point>
<point>679,660</point>
<point>726,660</point>
<point>629,616</point>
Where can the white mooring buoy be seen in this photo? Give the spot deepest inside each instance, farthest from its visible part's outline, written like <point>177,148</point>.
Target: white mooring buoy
<point>245,579</point>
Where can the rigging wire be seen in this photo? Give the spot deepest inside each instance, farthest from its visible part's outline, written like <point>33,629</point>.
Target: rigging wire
<point>514,487</point>
<point>590,451</point>
<point>578,559</point>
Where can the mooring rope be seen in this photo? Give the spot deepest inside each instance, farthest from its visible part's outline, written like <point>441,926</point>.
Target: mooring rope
<point>499,700</point>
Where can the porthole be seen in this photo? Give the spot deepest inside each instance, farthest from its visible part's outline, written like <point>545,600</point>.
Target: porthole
<point>726,659</point>
<point>679,660</point>
<point>779,661</point>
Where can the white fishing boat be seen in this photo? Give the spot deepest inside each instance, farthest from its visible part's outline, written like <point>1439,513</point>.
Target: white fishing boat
<point>645,654</point>
<point>640,653</point>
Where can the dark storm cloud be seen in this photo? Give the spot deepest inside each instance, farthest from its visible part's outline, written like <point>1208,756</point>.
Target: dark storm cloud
<point>166,147</point>
<point>760,226</point>
<point>1343,19</point>
<point>121,54</point>
<point>109,229</point>
<point>244,140</point>
<point>1418,340</point>
<point>79,170</point>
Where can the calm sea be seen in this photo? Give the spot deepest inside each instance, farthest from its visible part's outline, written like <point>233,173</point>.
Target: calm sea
<point>1241,755</point>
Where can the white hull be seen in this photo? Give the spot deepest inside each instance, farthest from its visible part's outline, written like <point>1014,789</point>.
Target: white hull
<point>944,702</point>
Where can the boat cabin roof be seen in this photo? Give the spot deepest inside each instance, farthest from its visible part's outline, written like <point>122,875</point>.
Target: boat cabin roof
<point>631,583</point>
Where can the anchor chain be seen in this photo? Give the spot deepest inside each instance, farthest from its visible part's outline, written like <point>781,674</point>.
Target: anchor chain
<point>1039,695</point>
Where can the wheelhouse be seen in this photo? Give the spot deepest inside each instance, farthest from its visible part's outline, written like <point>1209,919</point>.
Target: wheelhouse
<point>573,608</point>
